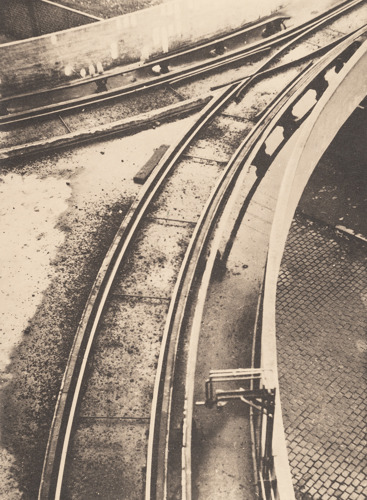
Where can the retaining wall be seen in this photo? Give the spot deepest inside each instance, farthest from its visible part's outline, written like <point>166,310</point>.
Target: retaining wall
<point>29,18</point>
<point>53,59</point>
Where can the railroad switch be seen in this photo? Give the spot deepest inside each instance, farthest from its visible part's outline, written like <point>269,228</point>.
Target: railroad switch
<point>261,399</point>
<point>247,385</point>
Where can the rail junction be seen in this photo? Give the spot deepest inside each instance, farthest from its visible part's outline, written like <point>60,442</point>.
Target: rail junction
<point>143,381</point>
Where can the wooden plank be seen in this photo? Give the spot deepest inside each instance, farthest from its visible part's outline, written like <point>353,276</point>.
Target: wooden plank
<point>153,161</point>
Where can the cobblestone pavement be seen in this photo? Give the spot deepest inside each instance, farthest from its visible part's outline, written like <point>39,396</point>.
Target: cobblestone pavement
<point>322,345</point>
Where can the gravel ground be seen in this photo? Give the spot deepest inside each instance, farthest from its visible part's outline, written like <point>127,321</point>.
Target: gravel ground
<point>6,38</point>
<point>72,203</point>
<point>128,108</point>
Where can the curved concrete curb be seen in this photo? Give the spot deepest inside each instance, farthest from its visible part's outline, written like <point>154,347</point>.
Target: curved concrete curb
<point>303,153</point>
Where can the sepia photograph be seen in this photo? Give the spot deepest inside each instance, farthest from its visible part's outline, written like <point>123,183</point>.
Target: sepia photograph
<point>183,278</point>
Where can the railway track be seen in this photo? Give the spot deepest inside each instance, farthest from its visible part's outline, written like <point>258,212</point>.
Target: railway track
<point>133,321</point>
<point>137,76</point>
<point>251,197</point>
<point>180,91</point>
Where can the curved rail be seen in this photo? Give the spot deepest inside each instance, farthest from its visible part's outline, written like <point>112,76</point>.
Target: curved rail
<point>318,23</point>
<point>157,461</point>
<point>182,74</point>
<point>56,452</point>
<point>135,122</point>
<point>317,133</point>
<point>245,156</point>
<point>154,82</point>
<point>245,30</point>
<point>58,444</point>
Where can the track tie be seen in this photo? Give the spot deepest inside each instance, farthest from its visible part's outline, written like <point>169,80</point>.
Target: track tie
<point>132,296</point>
<point>174,92</point>
<point>242,119</point>
<point>90,417</point>
<point>63,122</point>
<point>181,221</point>
<point>202,158</point>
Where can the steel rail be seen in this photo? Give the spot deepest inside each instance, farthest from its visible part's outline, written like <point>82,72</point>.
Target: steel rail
<point>180,75</point>
<point>66,406</point>
<point>140,121</point>
<point>120,126</point>
<point>105,97</point>
<point>246,29</point>
<point>245,155</point>
<point>299,37</point>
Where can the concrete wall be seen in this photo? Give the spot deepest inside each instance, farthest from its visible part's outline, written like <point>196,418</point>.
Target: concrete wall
<point>29,18</point>
<point>53,59</point>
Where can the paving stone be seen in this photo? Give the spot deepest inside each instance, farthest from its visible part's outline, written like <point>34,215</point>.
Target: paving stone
<point>349,489</point>
<point>327,483</point>
<point>313,491</point>
<point>321,317</point>
<point>318,484</point>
